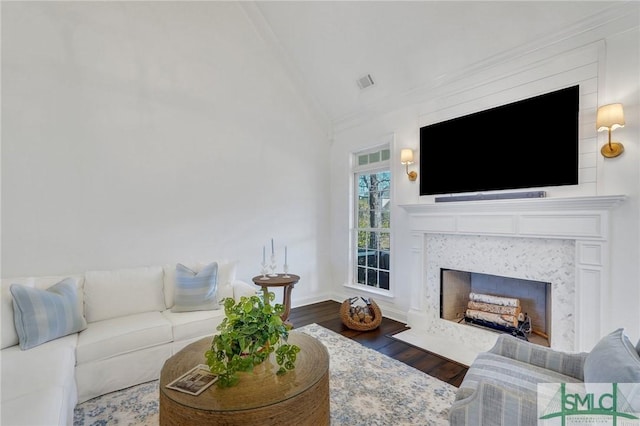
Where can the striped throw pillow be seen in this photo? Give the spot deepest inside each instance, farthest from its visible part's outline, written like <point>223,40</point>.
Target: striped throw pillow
<point>44,315</point>
<point>196,291</point>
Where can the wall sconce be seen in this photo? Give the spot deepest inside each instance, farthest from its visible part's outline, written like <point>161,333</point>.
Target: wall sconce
<point>406,158</point>
<point>610,117</point>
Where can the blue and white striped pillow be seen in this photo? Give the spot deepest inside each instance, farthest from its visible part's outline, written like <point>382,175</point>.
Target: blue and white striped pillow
<point>196,291</point>
<point>43,315</point>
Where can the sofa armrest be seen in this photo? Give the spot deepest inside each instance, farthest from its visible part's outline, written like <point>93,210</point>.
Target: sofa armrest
<point>567,363</point>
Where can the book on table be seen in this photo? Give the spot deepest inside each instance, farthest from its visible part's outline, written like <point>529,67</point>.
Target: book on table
<point>194,381</point>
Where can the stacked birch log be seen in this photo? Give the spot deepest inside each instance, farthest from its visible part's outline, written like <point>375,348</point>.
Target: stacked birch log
<point>495,309</point>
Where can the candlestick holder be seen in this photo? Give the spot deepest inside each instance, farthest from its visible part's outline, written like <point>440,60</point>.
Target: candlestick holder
<point>286,271</point>
<point>273,266</point>
<point>264,270</point>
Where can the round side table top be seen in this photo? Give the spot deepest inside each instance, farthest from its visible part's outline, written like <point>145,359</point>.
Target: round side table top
<point>256,389</point>
<point>279,280</point>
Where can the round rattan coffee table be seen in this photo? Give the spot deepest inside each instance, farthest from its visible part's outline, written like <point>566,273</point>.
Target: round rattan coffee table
<point>299,397</point>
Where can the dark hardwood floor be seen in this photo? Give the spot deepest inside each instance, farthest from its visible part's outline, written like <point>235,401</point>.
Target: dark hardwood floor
<point>327,314</point>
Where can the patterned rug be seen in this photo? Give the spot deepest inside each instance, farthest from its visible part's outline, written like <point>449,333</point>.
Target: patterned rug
<point>366,388</point>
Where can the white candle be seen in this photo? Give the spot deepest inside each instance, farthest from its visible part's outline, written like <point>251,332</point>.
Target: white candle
<point>285,255</point>
<point>272,246</point>
<point>263,254</point>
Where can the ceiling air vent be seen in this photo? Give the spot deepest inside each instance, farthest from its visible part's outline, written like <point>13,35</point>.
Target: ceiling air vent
<point>365,81</point>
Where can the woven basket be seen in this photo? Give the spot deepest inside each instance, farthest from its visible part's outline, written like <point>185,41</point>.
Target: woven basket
<point>374,310</point>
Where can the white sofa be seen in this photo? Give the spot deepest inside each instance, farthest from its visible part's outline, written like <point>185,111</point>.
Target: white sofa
<point>130,331</point>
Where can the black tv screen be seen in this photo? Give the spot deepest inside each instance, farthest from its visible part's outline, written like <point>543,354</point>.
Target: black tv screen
<point>532,143</point>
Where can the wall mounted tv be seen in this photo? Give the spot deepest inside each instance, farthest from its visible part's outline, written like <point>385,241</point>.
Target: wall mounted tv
<point>532,143</point>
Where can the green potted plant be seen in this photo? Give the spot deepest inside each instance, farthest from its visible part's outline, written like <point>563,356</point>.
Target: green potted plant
<point>251,331</point>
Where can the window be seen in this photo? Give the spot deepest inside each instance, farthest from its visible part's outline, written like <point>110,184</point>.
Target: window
<point>372,218</point>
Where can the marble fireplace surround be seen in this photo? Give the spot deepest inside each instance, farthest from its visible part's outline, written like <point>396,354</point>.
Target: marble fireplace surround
<point>564,241</point>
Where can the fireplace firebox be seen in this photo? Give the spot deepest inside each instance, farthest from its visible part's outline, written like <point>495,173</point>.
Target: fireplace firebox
<point>517,306</point>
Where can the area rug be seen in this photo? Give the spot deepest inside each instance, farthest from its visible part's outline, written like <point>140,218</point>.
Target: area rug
<point>366,388</point>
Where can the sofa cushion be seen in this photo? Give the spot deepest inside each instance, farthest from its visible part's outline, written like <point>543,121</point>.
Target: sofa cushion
<point>196,291</point>
<point>226,274</point>
<point>613,359</point>
<point>188,325</point>
<point>39,385</point>
<point>97,377</point>
<point>43,407</point>
<point>50,364</point>
<point>117,336</point>
<point>122,292</point>
<point>43,315</point>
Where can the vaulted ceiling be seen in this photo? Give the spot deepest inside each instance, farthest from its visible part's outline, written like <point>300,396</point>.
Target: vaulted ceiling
<point>404,46</point>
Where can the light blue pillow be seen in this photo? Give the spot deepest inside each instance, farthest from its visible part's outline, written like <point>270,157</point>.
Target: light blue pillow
<point>613,359</point>
<point>196,291</point>
<point>43,315</point>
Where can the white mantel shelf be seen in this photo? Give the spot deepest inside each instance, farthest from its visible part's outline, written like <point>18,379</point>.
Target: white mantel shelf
<point>602,202</point>
<point>574,218</point>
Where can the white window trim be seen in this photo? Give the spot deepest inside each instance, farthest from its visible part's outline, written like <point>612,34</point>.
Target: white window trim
<point>385,165</point>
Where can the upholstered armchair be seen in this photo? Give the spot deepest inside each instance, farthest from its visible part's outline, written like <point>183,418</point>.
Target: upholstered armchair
<point>501,385</point>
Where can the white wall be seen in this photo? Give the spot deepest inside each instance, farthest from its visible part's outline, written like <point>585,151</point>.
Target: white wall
<point>604,60</point>
<point>137,133</point>
<point>621,83</point>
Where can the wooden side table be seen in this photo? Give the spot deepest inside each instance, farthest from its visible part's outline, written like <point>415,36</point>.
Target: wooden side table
<point>299,397</point>
<point>288,282</point>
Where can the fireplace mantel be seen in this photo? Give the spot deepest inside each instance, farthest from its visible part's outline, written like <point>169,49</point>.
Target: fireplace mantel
<point>603,202</point>
<point>573,218</point>
<point>582,220</point>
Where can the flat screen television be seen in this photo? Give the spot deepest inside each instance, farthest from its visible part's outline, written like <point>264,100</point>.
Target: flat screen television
<point>531,143</point>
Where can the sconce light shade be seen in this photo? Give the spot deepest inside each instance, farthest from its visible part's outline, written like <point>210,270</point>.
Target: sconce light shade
<point>609,118</point>
<point>406,158</point>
